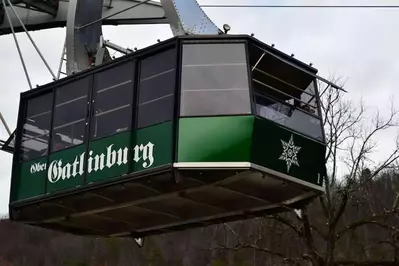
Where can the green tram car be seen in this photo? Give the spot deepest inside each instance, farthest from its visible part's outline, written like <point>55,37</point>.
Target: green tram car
<point>192,131</point>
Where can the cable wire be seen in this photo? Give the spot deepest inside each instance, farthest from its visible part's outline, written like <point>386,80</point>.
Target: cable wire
<point>30,38</point>
<point>302,6</point>
<point>5,124</point>
<point>17,44</point>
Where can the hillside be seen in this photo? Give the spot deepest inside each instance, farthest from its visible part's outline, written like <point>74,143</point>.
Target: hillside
<point>273,240</point>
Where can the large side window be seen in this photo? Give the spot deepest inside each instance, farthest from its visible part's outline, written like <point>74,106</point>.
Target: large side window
<point>36,127</point>
<point>285,94</point>
<point>113,95</point>
<point>214,80</point>
<point>70,112</point>
<point>156,88</point>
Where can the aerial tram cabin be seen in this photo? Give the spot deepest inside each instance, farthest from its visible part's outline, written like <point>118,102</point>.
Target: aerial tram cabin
<point>192,131</point>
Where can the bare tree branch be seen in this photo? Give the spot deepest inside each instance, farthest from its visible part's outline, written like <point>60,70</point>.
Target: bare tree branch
<point>371,220</point>
<point>366,263</point>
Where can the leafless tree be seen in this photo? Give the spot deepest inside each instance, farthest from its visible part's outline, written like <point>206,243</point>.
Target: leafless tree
<point>352,220</point>
<point>354,223</point>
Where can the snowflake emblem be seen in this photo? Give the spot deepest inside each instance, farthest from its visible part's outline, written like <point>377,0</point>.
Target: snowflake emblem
<point>290,152</point>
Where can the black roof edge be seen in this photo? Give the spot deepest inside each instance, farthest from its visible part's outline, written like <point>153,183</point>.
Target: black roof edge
<point>139,53</point>
<point>163,44</point>
<point>253,39</point>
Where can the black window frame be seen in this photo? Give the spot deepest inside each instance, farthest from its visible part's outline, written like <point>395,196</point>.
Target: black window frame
<point>89,73</point>
<point>22,115</point>
<point>292,62</point>
<point>176,104</point>
<point>212,40</point>
<point>133,62</point>
<point>87,115</point>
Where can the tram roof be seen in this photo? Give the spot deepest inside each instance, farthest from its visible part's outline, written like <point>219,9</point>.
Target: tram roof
<point>167,43</point>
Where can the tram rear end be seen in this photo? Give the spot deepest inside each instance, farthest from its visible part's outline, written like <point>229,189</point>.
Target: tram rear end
<point>189,132</point>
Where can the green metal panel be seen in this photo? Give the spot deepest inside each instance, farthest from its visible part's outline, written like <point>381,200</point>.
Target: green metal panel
<point>159,141</point>
<point>31,179</point>
<point>66,169</point>
<point>284,151</point>
<point>108,157</point>
<point>215,139</point>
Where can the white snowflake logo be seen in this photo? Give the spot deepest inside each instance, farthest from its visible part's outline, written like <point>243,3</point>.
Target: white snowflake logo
<point>290,152</point>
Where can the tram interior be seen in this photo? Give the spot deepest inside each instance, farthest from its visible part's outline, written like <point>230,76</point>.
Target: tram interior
<point>214,82</point>
<point>285,94</point>
<point>216,79</point>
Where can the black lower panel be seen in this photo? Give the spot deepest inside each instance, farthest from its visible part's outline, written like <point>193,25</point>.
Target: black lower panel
<point>164,202</point>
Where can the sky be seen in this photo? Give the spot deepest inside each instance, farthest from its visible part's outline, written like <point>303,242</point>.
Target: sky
<point>357,45</point>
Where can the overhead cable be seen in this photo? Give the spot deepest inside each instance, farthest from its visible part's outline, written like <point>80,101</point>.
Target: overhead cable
<point>17,44</point>
<point>302,6</point>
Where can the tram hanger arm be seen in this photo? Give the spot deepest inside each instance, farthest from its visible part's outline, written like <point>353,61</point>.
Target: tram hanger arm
<point>148,13</point>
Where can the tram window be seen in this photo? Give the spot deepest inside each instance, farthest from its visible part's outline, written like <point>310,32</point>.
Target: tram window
<point>284,93</point>
<point>70,113</point>
<point>36,127</point>
<point>279,79</point>
<point>156,88</point>
<point>214,80</point>
<point>113,95</point>
<point>288,115</point>
<point>309,100</point>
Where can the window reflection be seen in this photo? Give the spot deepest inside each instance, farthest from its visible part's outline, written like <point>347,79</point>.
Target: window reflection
<point>157,88</point>
<point>214,80</point>
<point>36,127</point>
<point>285,94</point>
<point>71,107</point>
<point>113,96</point>
<point>289,116</point>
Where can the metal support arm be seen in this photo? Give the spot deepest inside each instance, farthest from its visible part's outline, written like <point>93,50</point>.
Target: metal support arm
<point>85,19</point>
<point>48,7</point>
<point>186,17</point>
<point>149,13</point>
<point>82,44</point>
<point>117,47</point>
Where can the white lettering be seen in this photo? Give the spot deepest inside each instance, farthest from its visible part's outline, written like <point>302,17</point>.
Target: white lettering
<point>82,164</point>
<point>125,155</point>
<point>37,167</point>
<point>75,167</point>
<point>111,156</point>
<point>136,156</point>
<point>66,171</point>
<point>96,162</point>
<point>120,157</point>
<point>102,159</point>
<point>148,154</point>
<point>90,163</point>
<point>52,173</point>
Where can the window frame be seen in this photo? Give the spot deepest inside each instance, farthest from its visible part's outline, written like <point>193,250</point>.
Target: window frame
<point>133,62</point>
<point>87,115</point>
<point>227,40</point>
<point>318,116</point>
<point>176,104</point>
<point>89,73</point>
<point>20,125</point>
<point>272,99</point>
